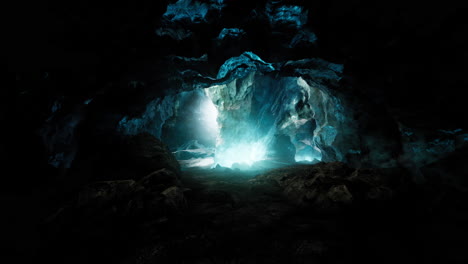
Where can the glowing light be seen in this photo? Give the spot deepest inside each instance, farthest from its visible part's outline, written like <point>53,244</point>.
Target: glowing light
<point>306,158</point>
<point>209,115</point>
<point>201,162</point>
<point>242,153</point>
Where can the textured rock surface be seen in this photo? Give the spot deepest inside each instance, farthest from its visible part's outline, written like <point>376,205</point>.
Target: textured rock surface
<point>256,100</point>
<point>297,214</point>
<point>78,70</point>
<point>296,38</point>
<point>120,158</point>
<point>147,154</point>
<point>330,186</point>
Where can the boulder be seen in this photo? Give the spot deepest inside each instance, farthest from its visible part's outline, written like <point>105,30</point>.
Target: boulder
<point>148,154</point>
<point>330,186</point>
<point>175,198</point>
<point>104,192</point>
<point>162,178</point>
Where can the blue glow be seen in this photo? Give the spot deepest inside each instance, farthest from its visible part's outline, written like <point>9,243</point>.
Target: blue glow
<point>303,37</point>
<point>209,116</point>
<point>178,33</point>
<point>354,151</point>
<point>57,159</point>
<point>306,158</point>
<point>56,106</point>
<point>327,135</point>
<point>152,120</point>
<point>408,133</point>
<point>240,66</point>
<point>186,9</point>
<point>310,153</point>
<point>432,150</point>
<point>465,137</point>
<point>194,11</point>
<point>239,142</point>
<point>245,153</point>
<point>289,15</point>
<point>231,32</point>
<point>245,111</point>
<point>451,132</point>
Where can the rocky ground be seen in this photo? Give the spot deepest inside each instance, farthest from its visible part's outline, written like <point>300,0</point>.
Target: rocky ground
<point>322,213</point>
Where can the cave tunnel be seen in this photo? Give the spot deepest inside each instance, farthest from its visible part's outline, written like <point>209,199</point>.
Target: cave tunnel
<point>259,115</point>
<point>245,122</point>
<point>222,131</point>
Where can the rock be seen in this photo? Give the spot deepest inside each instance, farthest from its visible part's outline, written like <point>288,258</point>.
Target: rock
<point>231,33</point>
<point>325,186</point>
<point>451,170</point>
<point>340,194</point>
<point>174,197</point>
<point>303,38</point>
<point>286,16</point>
<point>379,193</point>
<point>155,196</point>
<point>244,64</point>
<point>105,192</point>
<point>367,176</point>
<point>148,154</point>
<point>376,184</point>
<point>193,154</point>
<point>284,150</point>
<point>216,197</point>
<point>317,185</point>
<point>306,247</point>
<point>163,177</point>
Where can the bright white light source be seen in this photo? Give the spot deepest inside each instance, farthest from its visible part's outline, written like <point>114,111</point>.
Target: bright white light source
<point>209,115</point>
<point>242,153</point>
<point>240,149</point>
<point>307,158</point>
<point>201,162</point>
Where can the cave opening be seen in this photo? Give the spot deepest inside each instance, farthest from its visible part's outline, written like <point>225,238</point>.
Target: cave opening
<point>261,123</point>
<point>257,121</point>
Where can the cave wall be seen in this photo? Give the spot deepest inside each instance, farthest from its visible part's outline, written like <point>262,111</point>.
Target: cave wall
<point>404,61</point>
<point>259,101</point>
<point>76,69</point>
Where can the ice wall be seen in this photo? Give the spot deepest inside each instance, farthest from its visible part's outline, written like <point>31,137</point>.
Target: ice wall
<point>260,114</point>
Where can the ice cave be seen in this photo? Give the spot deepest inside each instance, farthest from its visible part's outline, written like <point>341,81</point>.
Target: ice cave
<point>234,131</point>
<point>253,117</point>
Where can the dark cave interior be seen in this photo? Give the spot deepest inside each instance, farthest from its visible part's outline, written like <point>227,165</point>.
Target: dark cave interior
<point>235,131</point>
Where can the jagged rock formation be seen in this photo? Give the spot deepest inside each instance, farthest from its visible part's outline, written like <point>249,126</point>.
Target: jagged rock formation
<point>330,186</point>
<point>138,194</point>
<point>367,83</point>
<point>256,100</point>
<point>195,44</point>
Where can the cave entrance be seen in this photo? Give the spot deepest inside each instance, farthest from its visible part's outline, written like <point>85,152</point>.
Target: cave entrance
<point>253,122</point>
<point>192,130</point>
<point>253,113</point>
<point>249,123</point>
<point>210,129</point>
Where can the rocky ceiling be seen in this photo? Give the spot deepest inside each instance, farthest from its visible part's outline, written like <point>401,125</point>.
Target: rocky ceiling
<point>78,70</point>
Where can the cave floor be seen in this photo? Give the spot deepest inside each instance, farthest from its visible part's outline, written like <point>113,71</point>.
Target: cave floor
<point>231,218</point>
